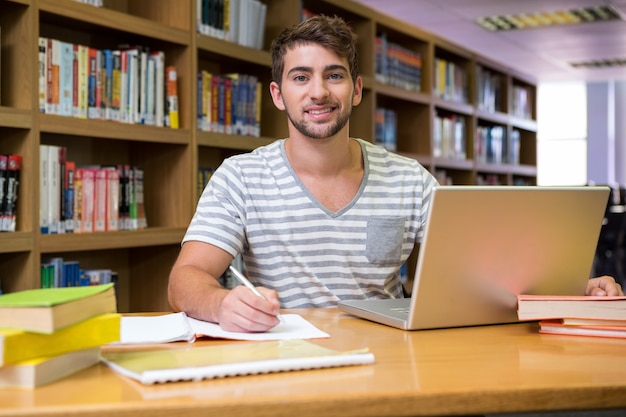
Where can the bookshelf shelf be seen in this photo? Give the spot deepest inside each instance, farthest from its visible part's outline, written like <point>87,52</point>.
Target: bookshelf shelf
<point>238,142</point>
<point>83,14</point>
<point>228,49</point>
<point>111,130</point>
<point>171,158</point>
<point>157,236</point>
<point>16,118</point>
<point>16,242</point>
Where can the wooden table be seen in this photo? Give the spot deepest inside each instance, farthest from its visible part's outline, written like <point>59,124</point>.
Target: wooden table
<point>489,369</point>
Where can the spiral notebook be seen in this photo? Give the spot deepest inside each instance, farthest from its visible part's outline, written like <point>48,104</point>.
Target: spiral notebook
<point>194,363</point>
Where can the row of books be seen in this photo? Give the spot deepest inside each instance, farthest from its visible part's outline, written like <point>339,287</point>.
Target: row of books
<point>238,21</point>
<point>130,85</point>
<point>601,316</point>
<point>10,167</point>
<point>397,65</point>
<point>489,89</point>
<point>57,272</point>
<point>450,81</point>
<point>83,199</point>
<point>97,3</point>
<point>229,103</point>
<point>492,146</point>
<point>443,178</point>
<point>386,128</point>
<point>521,101</point>
<point>47,334</point>
<point>204,175</point>
<point>449,134</point>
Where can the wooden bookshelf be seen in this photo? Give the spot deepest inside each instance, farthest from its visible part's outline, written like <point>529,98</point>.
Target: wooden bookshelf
<point>171,157</point>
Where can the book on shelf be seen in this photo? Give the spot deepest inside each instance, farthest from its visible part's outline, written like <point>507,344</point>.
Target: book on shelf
<point>386,128</point>
<point>171,102</point>
<point>10,168</point>
<point>80,199</point>
<point>491,146</point>
<point>46,310</point>
<point>228,103</point>
<point>20,345</point>
<point>124,84</point>
<point>450,80</point>
<point>615,328</point>
<point>542,307</point>
<point>450,136</point>
<point>238,21</point>
<point>42,71</point>
<point>33,373</point>
<point>489,88</point>
<point>96,3</point>
<point>57,273</point>
<point>225,360</point>
<point>397,65</point>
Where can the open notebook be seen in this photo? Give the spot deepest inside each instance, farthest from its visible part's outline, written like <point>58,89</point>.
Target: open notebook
<point>485,245</point>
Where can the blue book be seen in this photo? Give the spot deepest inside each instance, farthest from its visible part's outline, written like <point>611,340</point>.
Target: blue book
<point>66,78</point>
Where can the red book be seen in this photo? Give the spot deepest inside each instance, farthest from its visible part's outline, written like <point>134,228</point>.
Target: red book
<point>558,327</point>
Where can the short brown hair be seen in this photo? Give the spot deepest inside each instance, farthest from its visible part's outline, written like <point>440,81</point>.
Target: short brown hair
<point>330,32</point>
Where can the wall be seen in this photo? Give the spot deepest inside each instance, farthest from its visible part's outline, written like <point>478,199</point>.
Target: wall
<point>606,118</point>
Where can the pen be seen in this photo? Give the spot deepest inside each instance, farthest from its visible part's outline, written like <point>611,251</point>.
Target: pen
<point>243,280</point>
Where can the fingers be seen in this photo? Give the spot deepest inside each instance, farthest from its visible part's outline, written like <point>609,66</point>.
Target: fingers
<point>243,311</point>
<point>604,285</point>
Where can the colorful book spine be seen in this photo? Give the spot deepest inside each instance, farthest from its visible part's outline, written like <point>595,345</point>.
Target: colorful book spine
<point>172,96</point>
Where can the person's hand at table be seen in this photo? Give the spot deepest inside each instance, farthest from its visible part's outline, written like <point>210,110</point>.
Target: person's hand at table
<point>604,285</point>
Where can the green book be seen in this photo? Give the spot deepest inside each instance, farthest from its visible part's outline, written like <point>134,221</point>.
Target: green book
<point>46,310</point>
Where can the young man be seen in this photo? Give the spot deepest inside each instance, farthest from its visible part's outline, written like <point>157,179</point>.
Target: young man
<point>318,216</point>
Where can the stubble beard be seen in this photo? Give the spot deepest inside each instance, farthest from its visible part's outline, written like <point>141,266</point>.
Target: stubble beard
<point>313,131</point>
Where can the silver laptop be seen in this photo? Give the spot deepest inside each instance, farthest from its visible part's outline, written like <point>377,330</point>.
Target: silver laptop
<point>484,245</point>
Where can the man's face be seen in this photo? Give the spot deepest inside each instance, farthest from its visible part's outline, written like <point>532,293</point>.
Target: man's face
<point>317,92</point>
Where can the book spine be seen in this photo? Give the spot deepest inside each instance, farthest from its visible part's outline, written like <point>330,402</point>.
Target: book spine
<point>68,196</point>
<point>112,199</point>
<point>42,73</point>
<point>159,95</point>
<point>172,96</point>
<point>83,81</point>
<point>100,203</point>
<point>87,200</point>
<point>78,200</point>
<point>3,185</point>
<point>54,193</point>
<point>150,92</point>
<point>66,78</point>
<point>92,84</point>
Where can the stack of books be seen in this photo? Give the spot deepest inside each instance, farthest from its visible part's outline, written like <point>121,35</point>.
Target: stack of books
<point>575,315</point>
<point>49,333</point>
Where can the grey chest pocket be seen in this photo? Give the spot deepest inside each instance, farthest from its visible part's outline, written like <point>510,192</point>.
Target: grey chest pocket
<point>384,240</point>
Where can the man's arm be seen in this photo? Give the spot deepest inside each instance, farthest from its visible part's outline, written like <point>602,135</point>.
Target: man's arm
<point>194,288</point>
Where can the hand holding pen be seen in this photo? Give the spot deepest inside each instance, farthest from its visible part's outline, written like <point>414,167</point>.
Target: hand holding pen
<point>243,280</point>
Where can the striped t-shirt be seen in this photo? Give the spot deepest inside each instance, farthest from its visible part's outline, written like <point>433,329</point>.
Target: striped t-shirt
<point>256,205</point>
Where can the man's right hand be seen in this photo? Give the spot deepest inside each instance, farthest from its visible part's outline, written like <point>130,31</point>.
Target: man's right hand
<point>243,311</point>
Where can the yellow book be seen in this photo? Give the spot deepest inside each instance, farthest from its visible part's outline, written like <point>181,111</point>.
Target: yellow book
<point>33,373</point>
<point>83,71</point>
<point>19,345</point>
